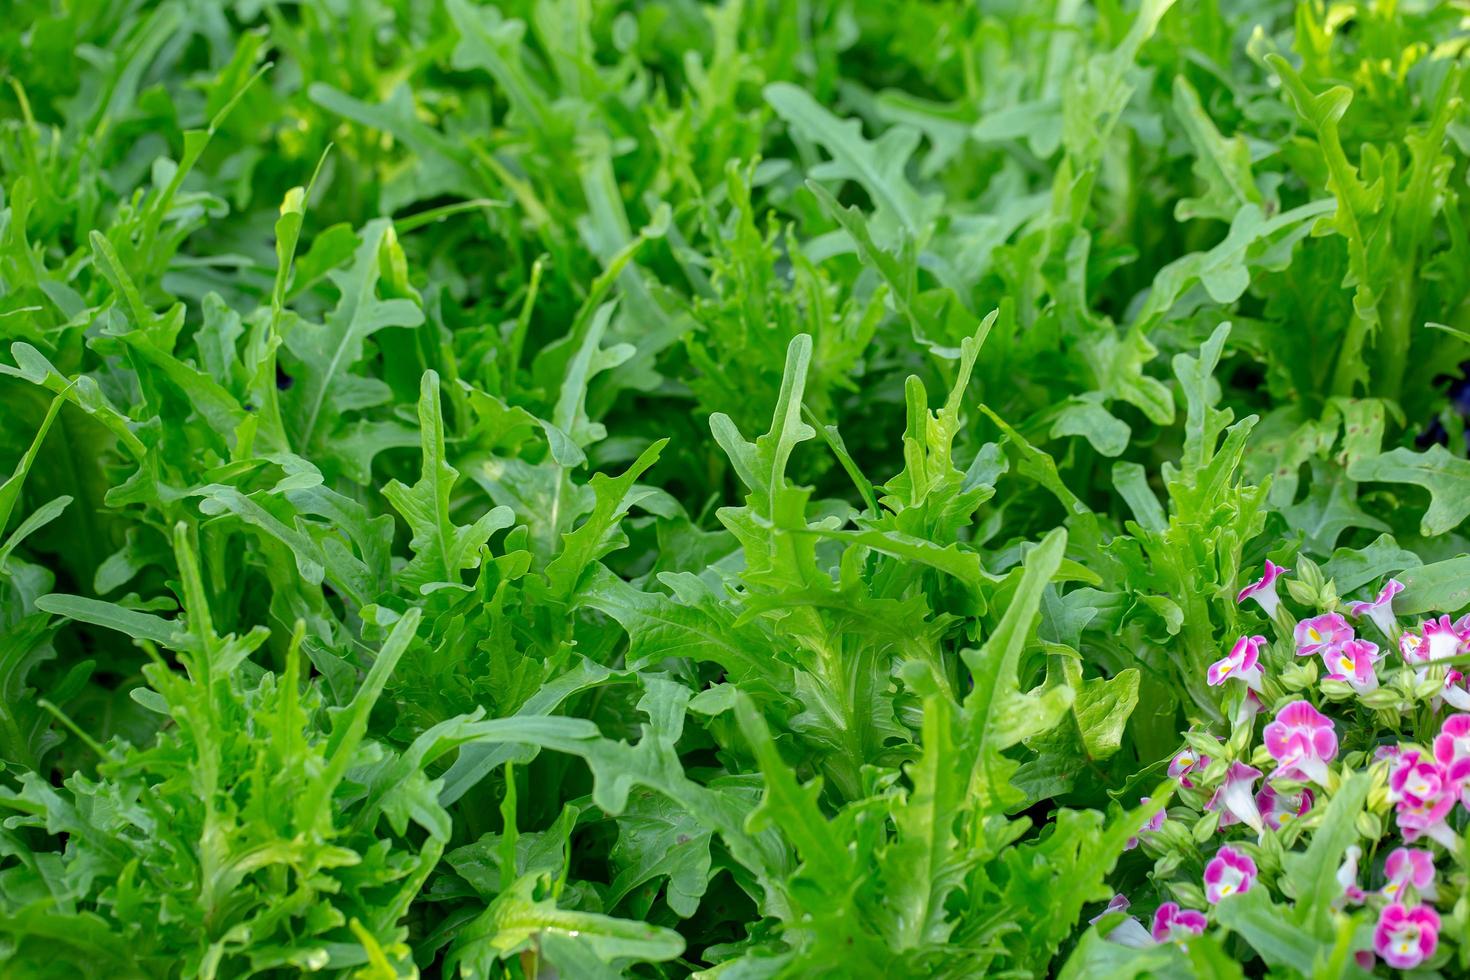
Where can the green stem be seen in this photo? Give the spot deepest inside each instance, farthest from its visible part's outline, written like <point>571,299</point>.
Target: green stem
<point>1350,357</point>
<point>1394,338</point>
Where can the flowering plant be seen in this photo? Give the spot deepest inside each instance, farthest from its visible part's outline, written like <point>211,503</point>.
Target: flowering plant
<point>1326,814</point>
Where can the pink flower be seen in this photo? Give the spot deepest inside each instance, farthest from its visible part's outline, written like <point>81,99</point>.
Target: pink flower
<point>1263,589</point>
<point>1277,808</point>
<point>1302,741</point>
<point>1234,798</point>
<point>1444,639</point>
<point>1409,866</point>
<point>1353,663</point>
<point>1155,822</point>
<point>1186,762</point>
<point>1328,630</point>
<point>1425,794</point>
<point>1389,752</point>
<point>1452,752</point>
<point>1452,744</point>
<point>1229,872</point>
<point>1380,610</point>
<point>1172,923</point>
<point>1405,937</point>
<point>1240,663</point>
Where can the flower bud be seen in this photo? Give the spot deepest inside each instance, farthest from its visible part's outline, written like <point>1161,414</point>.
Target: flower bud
<point>1205,829</point>
<point>1302,592</point>
<point>1384,698</point>
<point>1298,675</point>
<point>1188,894</point>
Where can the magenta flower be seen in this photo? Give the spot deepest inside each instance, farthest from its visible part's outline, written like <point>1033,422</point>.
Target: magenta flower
<point>1184,763</point>
<point>1240,663</point>
<point>1277,808</point>
<point>1263,589</point>
<point>1234,798</point>
<point>1155,822</point>
<point>1452,744</point>
<point>1406,937</point>
<point>1173,923</point>
<point>1424,794</point>
<point>1409,866</point>
<point>1353,662</point>
<point>1230,872</point>
<point>1380,610</point>
<point>1302,741</point>
<point>1328,630</point>
<point>1444,639</point>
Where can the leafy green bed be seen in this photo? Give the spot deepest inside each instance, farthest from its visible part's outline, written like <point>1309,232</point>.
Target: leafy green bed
<point>580,489</point>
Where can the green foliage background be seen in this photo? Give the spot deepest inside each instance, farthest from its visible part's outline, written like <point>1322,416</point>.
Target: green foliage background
<point>747,490</point>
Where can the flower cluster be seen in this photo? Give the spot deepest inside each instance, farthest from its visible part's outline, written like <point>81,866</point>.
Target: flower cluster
<point>1336,706</point>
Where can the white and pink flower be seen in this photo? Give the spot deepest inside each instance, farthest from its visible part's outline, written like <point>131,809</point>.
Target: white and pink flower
<point>1277,807</point>
<point>1328,630</point>
<point>1240,663</point>
<point>1129,932</point>
<point>1245,713</point>
<point>1263,589</point>
<point>1186,762</point>
<point>1452,744</point>
<point>1171,923</point>
<point>1353,663</point>
<point>1425,794</point>
<point>1235,799</point>
<point>1406,937</point>
<point>1414,648</point>
<point>1118,903</point>
<point>1302,740</point>
<point>1380,610</point>
<point>1230,872</point>
<point>1454,692</point>
<point>1445,639</point>
<point>1347,878</point>
<point>1409,866</point>
<point>1154,824</point>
